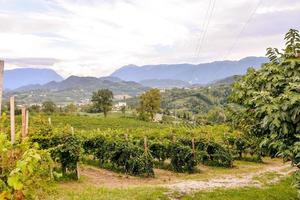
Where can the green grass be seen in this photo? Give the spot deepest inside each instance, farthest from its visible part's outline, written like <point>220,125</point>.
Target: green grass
<point>134,193</point>
<point>280,191</point>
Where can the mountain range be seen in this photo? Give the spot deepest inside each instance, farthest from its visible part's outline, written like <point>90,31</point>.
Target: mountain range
<point>38,85</point>
<point>74,89</point>
<point>193,74</point>
<point>16,78</point>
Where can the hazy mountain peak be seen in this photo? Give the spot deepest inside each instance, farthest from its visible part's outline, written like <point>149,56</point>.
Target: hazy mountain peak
<point>203,73</point>
<point>16,78</point>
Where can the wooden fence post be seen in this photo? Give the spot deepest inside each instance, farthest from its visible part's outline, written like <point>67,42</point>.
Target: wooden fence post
<point>27,122</point>
<point>193,147</point>
<point>77,171</point>
<point>126,137</point>
<point>1,84</point>
<point>145,144</point>
<point>72,130</point>
<point>12,120</point>
<point>23,130</point>
<point>49,120</point>
<point>174,139</point>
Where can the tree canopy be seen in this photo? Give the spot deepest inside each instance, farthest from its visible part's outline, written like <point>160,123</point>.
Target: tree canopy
<point>269,100</point>
<point>149,103</point>
<point>102,100</point>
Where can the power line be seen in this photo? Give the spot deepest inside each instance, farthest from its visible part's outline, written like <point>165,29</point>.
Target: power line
<point>237,38</point>
<point>207,26</point>
<point>203,25</point>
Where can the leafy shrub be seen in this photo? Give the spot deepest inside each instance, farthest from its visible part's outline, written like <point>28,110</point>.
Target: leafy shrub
<point>23,169</point>
<point>182,158</point>
<point>217,155</point>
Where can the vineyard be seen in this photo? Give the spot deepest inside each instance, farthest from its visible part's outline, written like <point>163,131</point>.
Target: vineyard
<point>138,150</point>
<point>247,147</point>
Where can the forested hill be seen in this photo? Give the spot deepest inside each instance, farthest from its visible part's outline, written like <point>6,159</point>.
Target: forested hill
<point>194,74</point>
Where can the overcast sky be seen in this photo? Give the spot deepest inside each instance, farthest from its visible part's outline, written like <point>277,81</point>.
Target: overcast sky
<point>95,37</point>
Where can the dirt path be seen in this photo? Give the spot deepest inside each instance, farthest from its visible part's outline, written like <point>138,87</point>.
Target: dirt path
<point>233,181</point>
<point>209,178</point>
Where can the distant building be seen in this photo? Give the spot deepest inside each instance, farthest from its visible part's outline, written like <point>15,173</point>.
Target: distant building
<point>158,117</point>
<point>119,105</point>
<point>122,96</point>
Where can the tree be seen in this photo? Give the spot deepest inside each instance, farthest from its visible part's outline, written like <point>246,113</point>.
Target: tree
<point>35,108</point>
<point>49,107</point>
<point>102,101</point>
<point>149,104</point>
<point>71,108</point>
<point>269,102</point>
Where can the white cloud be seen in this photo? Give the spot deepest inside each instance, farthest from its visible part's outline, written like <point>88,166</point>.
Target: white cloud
<point>96,37</point>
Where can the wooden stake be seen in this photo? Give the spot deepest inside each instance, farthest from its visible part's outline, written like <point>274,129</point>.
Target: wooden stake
<point>27,122</point>
<point>145,144</point>
<point>77,171</point>
<point>12,119</point>
<point>126,137</point>
<point>193,147</point>
<point>49,120</point>
<point>1,84</point>
<point>23,130</point>
<point>72,130</point>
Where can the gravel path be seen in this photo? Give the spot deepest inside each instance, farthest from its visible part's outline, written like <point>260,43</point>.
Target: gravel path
<point>231,181</point>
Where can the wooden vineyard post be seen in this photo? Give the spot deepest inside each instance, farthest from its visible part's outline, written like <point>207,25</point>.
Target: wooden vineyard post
<point>77,171</point>
<point>49,120</point>
<point>23,130</point>
<point>126,137</point>
<point>27,123</point>
<point>72,130</point>
<point>193,147</point>
<point>1,84</point>
<point>145,144</point>
<point>174,139</point>
<point>12,120</point>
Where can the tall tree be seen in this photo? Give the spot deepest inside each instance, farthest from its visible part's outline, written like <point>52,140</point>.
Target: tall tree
<point>269,99</point>
<point>102,101</point>
<point>150,103</point>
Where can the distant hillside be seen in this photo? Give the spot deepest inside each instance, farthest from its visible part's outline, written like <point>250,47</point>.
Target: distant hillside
<point>16,78</point>
<point>75,89</point>
<point>194,74</point>
<point>227,81</point>
<point>164,83</point>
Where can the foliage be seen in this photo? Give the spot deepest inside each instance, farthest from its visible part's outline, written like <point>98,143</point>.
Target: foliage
<point>67,152</point>
<point>271,99</point>
<point>23,168</point>
<point>70,108</point>
<point>160,150</point>
<point>182,158</point>
<point>65,147</point>
<point>102,100</point>
<point>125,156</point>
<point>149,104</point>
<point>49,107</point>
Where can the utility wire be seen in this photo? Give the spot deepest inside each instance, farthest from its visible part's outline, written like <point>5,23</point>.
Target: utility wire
<point>207,26</point>
<point>237,38</point>
<point>203,25</point>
